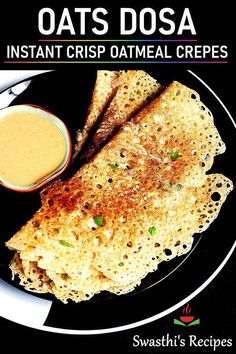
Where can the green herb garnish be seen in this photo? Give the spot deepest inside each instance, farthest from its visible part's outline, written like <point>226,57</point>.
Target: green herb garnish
<point>178,187</point>
<point>152,231</point>
<point>65,243</point>
<point>113,166</point>
<point>175,154</point>
<point>98,220</point>
<point>121,264</point>
<point>168,184</point>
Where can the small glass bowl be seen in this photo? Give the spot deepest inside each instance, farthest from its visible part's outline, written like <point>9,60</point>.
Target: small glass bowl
<point>60,124</point>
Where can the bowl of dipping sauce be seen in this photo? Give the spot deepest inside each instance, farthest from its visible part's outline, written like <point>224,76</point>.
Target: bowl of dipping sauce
<point>35,147</point>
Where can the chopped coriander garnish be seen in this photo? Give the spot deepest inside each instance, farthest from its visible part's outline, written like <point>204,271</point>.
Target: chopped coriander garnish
<point>113,166</point>
<point>178,187</point>
<point>65,243</point>
<point>98,220</point>
<point>175,155</point>
<point>152,231</point>
<point>121,264</point>
<point>169,184</point>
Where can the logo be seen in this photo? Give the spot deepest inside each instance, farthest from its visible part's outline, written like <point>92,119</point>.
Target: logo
<point>186,319</point>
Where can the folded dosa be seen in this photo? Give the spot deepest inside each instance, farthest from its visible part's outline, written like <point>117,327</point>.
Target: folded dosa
<point>104,89</point>
<point>136,88</point>
<point>137,203</point>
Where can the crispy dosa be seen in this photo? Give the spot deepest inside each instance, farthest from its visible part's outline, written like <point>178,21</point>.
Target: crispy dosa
<point>136,88</point>
<point>104,89</point>
<point>137,203</point>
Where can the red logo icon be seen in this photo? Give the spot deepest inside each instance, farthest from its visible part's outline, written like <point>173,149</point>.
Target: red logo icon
<point>186,319</point>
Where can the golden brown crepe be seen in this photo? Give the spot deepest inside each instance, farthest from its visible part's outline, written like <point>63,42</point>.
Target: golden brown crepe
<point>105,87</point>
<point>135,88</point>
<point>137,203</point>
